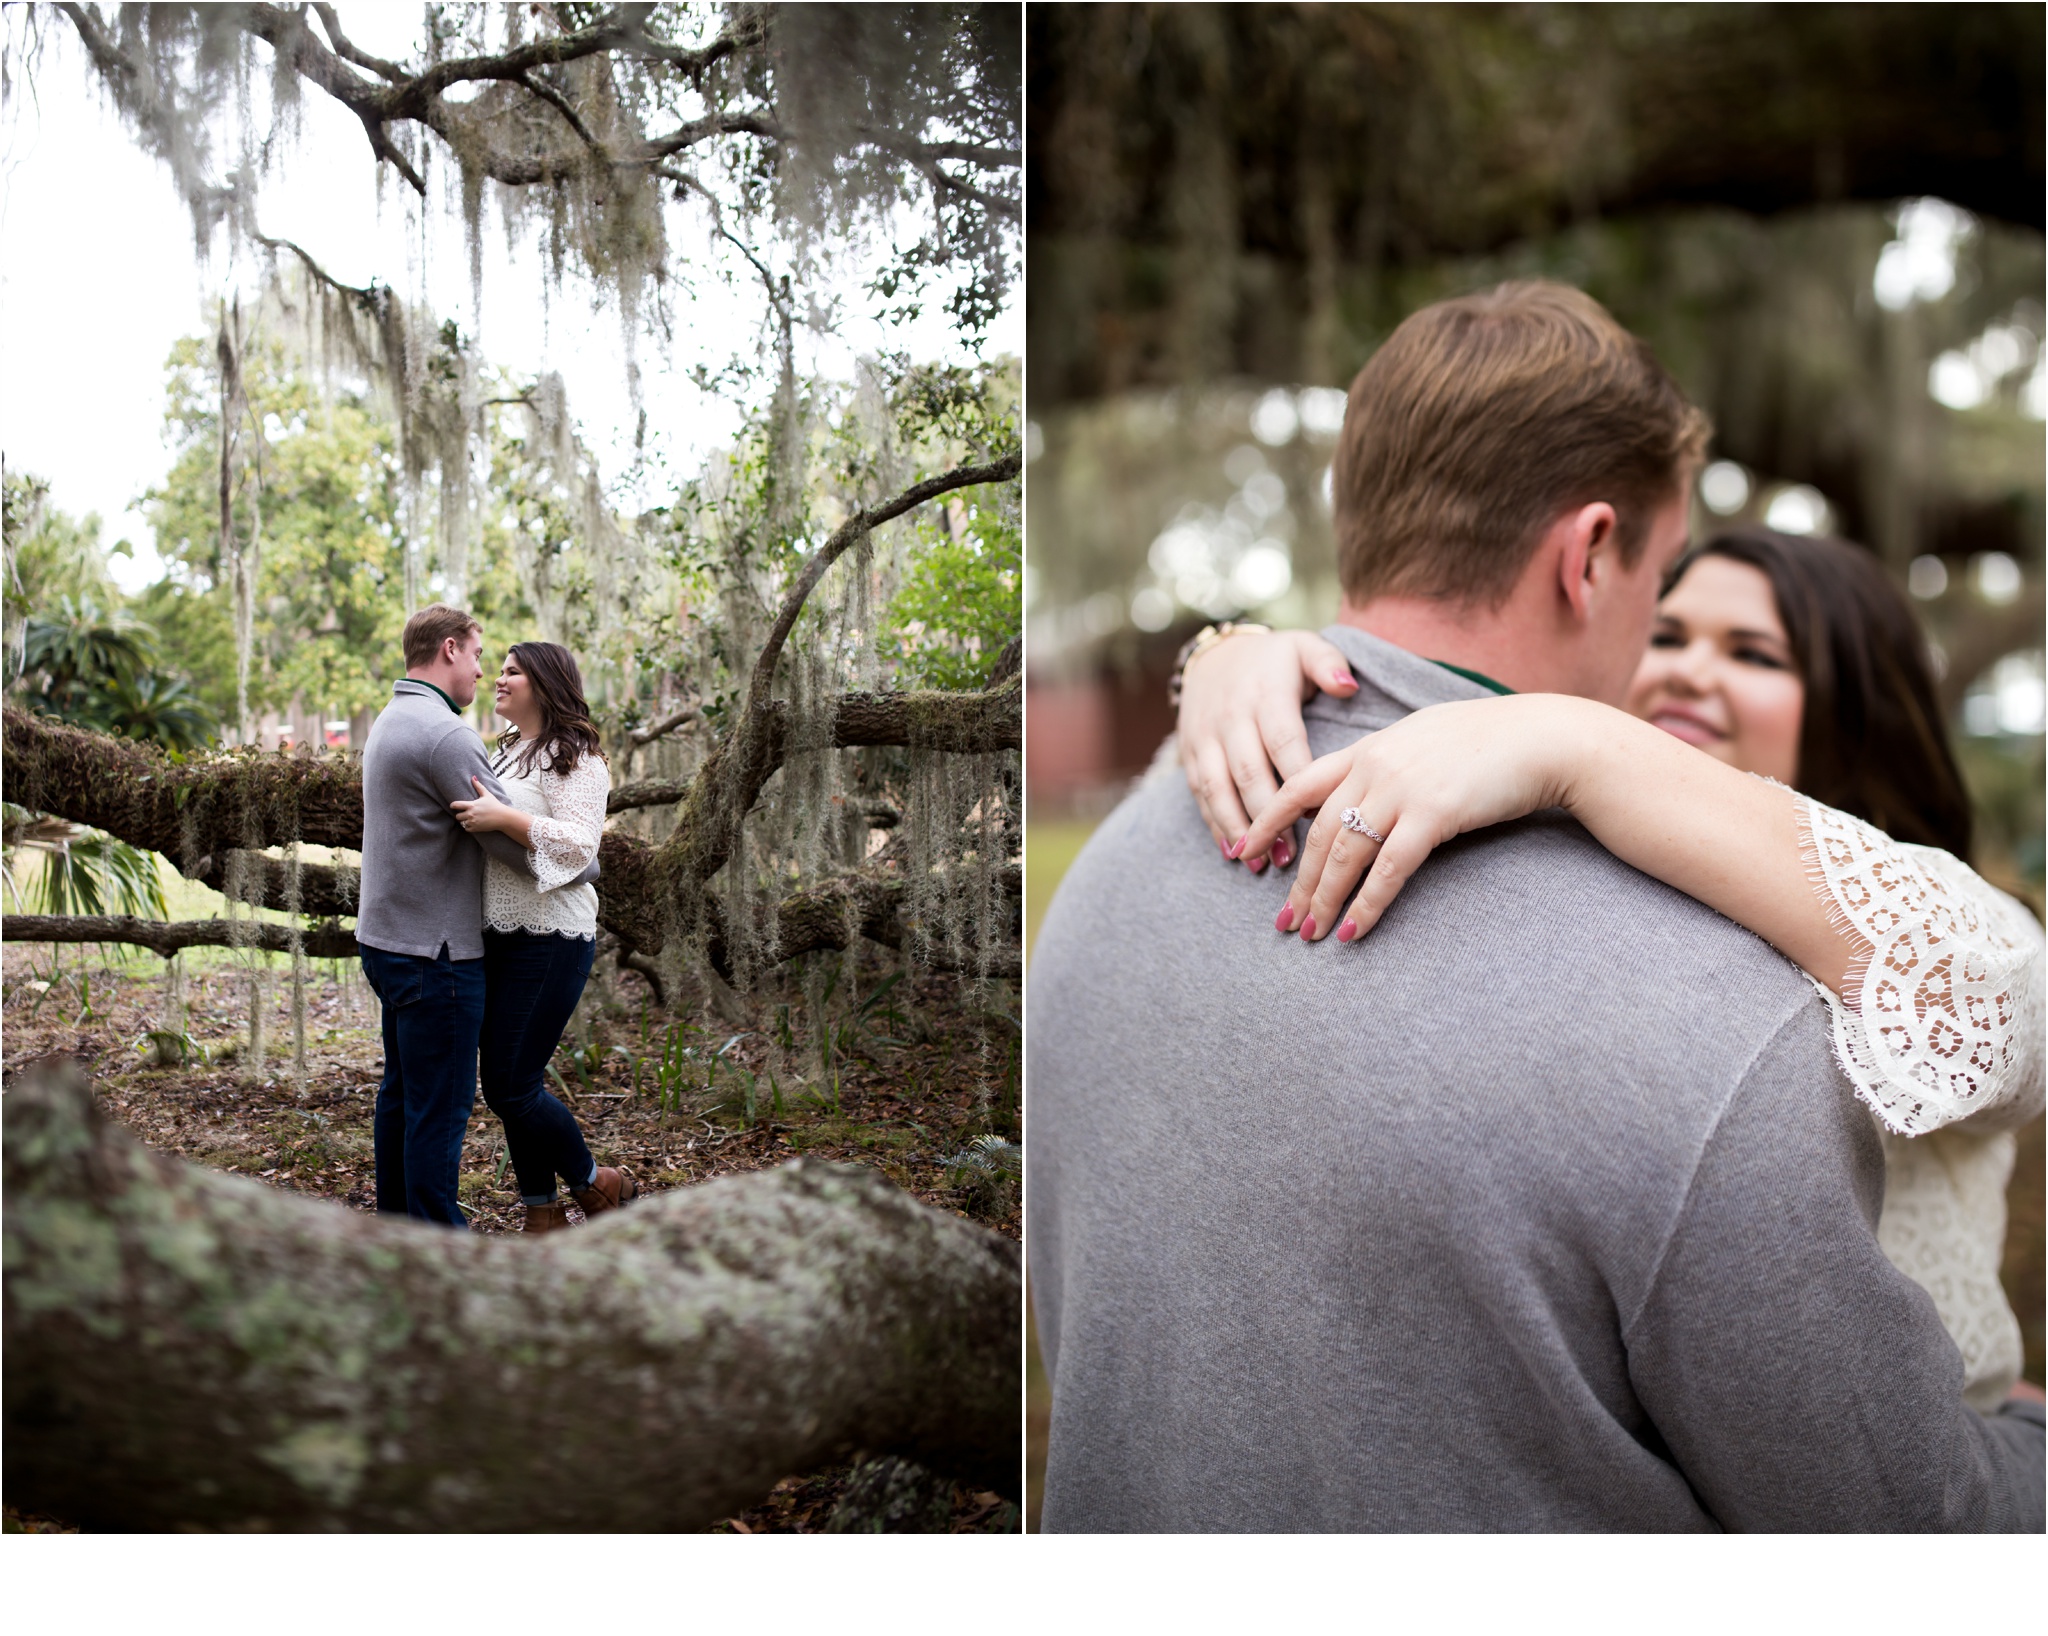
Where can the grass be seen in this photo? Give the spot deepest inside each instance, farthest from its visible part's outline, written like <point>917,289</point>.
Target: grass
<point>1049,851</point>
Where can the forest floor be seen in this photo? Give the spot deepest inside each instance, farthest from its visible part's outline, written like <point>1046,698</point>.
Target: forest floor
<point>836,1064</point>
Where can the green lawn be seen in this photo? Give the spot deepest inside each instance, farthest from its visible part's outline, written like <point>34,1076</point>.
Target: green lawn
<point>1049,848</point>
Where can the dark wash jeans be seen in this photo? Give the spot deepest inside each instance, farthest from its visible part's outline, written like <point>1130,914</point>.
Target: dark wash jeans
<point>534,982</point>
<point>433,1010</point>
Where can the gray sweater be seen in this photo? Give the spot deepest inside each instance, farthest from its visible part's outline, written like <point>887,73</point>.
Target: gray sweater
<point>423,873</point>
<point>1543,1208</point>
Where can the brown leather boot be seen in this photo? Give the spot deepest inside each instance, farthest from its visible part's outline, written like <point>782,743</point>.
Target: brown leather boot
<point>608,1190</point>
<point>546,1218</point>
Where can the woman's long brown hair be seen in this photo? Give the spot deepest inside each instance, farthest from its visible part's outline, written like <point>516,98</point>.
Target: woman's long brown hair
<point>566,731</point>
<point>1871,738</point>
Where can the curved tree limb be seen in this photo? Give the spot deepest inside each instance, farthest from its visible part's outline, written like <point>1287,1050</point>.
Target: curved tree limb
<point>167,937</point>
<point>555,100</point>
<point>206,804</point>
<point>373,295</point>
<point>939,177</point>
<point>348,51</point>
<point>861,523</point>
<point>668,724</point>
<point>187,1349</point>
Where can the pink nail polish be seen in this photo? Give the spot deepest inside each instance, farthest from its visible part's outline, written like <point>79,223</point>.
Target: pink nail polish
<point>1235,846</point>
<point>1346,932</point>
<point>1257,866</point>
<point>1284,920</point>
<point>1308,930</point>
<point>1343,678</point>
<point>1283,854</point>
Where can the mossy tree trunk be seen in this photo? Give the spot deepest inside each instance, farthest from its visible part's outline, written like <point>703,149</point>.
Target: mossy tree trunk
<point>186,1349</point>
<point>200,812</point>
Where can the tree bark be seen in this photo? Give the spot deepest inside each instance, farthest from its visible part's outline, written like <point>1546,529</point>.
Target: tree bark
<point>187,1349</point>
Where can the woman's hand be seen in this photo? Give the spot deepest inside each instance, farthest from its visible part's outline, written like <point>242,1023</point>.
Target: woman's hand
<point>1429,777</point>
<point>486,812</point>
<point>1240,719</point>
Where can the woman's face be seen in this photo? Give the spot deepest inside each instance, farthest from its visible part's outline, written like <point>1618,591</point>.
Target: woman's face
<point>1720,673</point>
<point>515,695</point>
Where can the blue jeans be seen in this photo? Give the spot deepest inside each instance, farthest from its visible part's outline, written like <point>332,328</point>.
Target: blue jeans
<point>534,982</point>
<point>433,1010</point>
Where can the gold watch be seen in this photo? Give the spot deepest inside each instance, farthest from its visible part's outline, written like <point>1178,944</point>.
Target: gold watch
<point>1200,643</point>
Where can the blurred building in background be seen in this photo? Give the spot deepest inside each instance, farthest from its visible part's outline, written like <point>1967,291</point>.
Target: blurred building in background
<point>1826,219</point>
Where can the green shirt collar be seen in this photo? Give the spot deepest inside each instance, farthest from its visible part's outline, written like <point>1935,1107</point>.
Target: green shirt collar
<point>457,709</point>
<point>1486,682</point>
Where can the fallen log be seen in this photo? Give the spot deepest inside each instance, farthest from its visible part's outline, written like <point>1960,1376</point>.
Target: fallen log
<point>192,1350</point>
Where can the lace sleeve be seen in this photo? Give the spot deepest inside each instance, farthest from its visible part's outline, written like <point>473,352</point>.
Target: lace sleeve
<point>1940,1022</point>
<point>566,840</point>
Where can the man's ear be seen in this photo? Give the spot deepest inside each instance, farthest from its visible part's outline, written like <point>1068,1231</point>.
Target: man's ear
<point>1585,544</point>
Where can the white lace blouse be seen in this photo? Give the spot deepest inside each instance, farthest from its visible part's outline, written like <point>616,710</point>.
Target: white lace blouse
<point>568,811</point>
<point>1943,1041</point>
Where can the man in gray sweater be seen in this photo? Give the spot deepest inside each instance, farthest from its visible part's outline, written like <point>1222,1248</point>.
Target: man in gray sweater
<point>420,915</point>
<point>1547,1207</point>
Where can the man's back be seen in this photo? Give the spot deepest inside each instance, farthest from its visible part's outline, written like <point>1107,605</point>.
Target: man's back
<point>1545,1207</point>
<point>423,875</point>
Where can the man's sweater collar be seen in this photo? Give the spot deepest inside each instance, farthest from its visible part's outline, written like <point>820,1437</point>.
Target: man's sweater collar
<point>420,689</point>
<point>1393,683</point>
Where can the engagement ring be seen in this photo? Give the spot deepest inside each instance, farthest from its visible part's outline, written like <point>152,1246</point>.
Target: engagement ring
<point>1354,820</point>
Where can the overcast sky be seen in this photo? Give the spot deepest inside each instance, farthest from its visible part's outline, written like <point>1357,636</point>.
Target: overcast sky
<point>99,275</point>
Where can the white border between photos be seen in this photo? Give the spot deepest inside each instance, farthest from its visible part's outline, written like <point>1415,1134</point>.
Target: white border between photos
<point>1436,1583</point>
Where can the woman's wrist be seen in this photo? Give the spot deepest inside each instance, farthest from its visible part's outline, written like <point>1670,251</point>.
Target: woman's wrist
<point>1209,636</point>
<point>1588,749</point>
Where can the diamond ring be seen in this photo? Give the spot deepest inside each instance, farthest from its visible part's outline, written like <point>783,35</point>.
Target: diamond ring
<point>1354,820</point>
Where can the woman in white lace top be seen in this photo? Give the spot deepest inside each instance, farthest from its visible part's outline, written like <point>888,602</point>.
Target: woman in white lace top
<point>540,934</point>
<point>1790,658</point>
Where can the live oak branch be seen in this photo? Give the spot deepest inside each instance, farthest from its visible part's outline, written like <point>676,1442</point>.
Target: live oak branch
<point>189,1349</point>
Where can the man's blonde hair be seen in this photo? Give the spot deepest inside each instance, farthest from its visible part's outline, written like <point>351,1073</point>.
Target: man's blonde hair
<point>1480,421</point>
<point>430,627</point>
